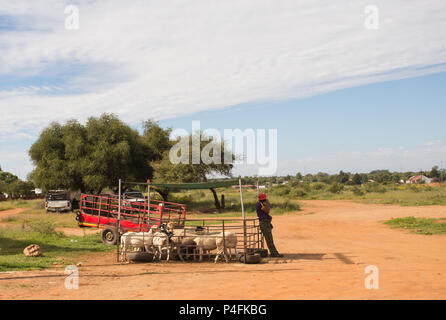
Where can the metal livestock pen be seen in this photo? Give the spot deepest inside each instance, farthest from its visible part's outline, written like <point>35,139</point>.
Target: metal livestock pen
<point>247,232</point>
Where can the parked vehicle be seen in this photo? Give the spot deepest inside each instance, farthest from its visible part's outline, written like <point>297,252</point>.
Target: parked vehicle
<point>134,196</point>
<point>58,201</point>
<point>101,211</point>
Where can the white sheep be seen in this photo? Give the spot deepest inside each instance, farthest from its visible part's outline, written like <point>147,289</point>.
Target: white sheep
<point>183,238</point>
<point>205,243</point>
<point>219,242</point>
<point>161,243</point>
<point>137,240</point>
<point>180,239</point>
<point>225,244</point>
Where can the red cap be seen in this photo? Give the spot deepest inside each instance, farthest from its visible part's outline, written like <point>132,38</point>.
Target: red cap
<point>262,196</point>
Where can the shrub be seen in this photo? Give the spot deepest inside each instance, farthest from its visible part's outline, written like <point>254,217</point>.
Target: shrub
<point>374,187</point>
<point>318,186</point>
<point>306,187</point>
<point>297,193</point>
<point>280,190</point>
<point>413,187</point>
<point>357,191</point>
<point>284,206</point>
<point>294,184</point>
<point>185,198</point>
<point>336,187</point>
<point>44,227</point>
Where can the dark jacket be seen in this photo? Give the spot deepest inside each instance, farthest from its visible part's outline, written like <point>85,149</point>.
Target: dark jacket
<point>263,208</point>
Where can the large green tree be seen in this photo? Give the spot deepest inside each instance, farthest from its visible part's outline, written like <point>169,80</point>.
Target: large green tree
<point>90,157</point>
<point>156,138</point>
<point>435,173</point>
<point>168,170</point>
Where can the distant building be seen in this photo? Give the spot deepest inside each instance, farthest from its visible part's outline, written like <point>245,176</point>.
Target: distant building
<point>419,179</point>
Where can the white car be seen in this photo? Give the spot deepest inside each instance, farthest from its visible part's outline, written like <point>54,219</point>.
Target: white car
<point>134,196</point>
<point>58,201</point>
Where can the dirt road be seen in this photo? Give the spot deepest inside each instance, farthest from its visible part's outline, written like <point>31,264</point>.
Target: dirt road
<point>7,213</point>
<point>67,231</point>
<point>326,253</point>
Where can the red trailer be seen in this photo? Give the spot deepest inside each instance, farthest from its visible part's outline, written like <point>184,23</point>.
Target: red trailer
<point>102,211</point>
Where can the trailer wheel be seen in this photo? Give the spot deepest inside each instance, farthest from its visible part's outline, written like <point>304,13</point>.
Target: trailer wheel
<point>109,236</point>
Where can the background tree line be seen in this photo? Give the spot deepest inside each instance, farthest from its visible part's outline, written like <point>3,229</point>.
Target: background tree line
<point>348,178</point>
<point>13,186</point>
<point>91,157</point>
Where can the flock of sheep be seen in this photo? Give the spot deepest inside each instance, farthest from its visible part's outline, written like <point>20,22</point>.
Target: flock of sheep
<point>167,238</point>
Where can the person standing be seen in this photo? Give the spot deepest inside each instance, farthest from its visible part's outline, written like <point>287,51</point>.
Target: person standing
<point>263,209</point>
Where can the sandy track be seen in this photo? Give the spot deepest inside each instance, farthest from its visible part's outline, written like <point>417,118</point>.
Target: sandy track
<point>67,231</point>
<point>6,213</point>
<point>326,252</point>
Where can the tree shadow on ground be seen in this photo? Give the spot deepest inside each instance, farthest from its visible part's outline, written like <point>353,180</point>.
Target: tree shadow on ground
<point>304,256</point>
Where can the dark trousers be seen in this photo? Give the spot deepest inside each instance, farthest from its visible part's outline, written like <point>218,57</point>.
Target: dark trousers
<point>266,228</point>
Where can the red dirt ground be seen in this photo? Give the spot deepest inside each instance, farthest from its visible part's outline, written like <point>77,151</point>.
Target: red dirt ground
<point>326,252</point>
<point>6,213</point>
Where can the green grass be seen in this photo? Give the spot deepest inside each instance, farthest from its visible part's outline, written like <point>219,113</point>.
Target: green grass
<point>29,217</point>
<point>35,213</point>
<point>9,205</point>
<point>404,195</point>
<point>35,226</point>
<point>56,248</point>
<point>419,225</point>
<point>201,203</point>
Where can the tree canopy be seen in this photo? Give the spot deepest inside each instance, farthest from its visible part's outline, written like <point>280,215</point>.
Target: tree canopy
<point>13,186</point>
<point>211,162</point>
<point>90,157</point>
<point>94,156</point>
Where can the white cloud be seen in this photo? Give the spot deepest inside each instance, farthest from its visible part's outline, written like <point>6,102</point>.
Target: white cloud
<point>162,59</point>
<point>13,161</point>
<point>168,58</point>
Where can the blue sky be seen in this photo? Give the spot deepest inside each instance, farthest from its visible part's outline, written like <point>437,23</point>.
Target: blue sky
<point>341,95</point>
<point>407,113</point>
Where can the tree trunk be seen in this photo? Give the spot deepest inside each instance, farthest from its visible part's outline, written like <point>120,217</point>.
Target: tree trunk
<point>216,201</point>
<point>163,193</point>
<point>165,196</point>
<point>223,204</point>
